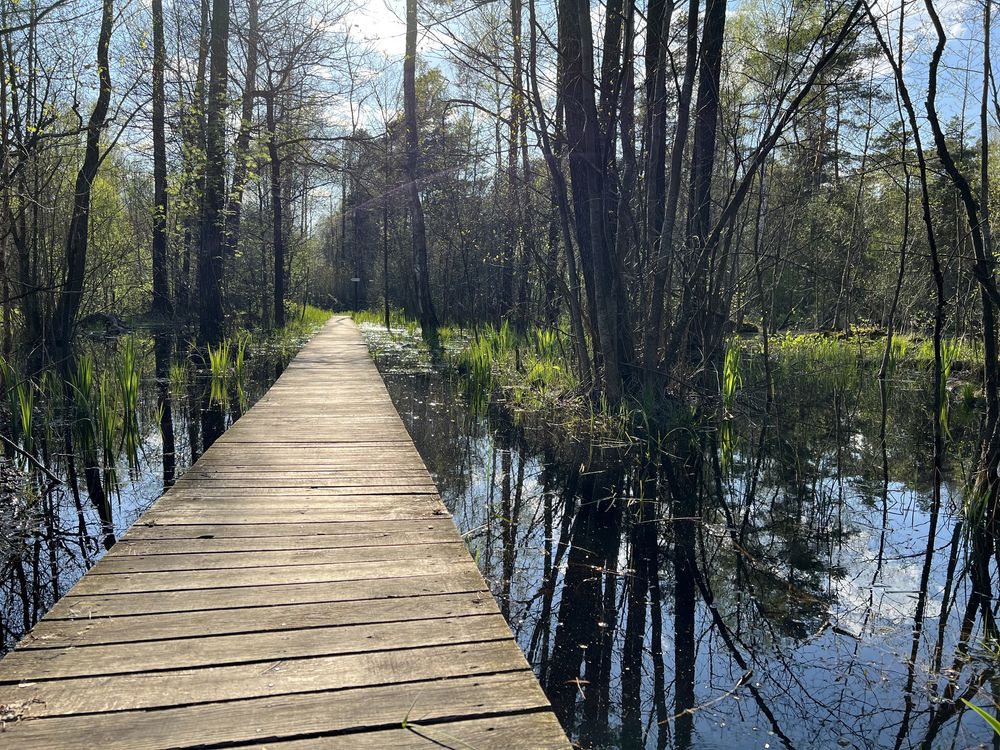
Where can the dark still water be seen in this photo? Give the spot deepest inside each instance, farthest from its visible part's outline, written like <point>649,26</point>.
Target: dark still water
<point>755,584</point>
<point>86,451</point>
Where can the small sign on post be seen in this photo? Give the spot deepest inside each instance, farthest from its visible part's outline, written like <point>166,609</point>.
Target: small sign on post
<point>356,280</point>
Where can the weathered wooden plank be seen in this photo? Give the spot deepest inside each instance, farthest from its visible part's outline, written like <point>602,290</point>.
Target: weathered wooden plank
<point>217,540</point>
<point>276,718</point>
<point>122,583</point>
<point>339,486</point>
<point>209,650</point>
<point>439,525</point>
<point>532,731</point>
<point>284,514</point>
<point>247,597</point>
<point>51,633</point>
<point>353,495</point>
<point>125,562</point>
<point>285,677</point>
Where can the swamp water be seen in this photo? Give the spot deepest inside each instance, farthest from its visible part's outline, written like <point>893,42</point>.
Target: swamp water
<point>760,591</point>
<point>103,447</point>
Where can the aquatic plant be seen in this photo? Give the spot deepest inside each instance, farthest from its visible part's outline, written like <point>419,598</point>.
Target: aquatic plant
<point>178,375</point>
<point>950,350</point>
<point>108,425</point>
<point>82,383</point>
<point>731,380</point>
<point>218,358</point>
<point>243,339</point>
<point>128,376</point>
<point>25,394</point>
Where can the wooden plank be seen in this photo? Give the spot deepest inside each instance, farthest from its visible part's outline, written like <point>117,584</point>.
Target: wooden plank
<point>285,677</point>
<point>124,583</point>
<point>157,542</point>
<point>534,731</point>
<point>364,590</point>
<point>52,633</point>
<point>355,495</point>
<point>205,651</point>
<point>440,525</point>
<point>261,720</point>
<point>124,562</point>
<point>315,513</point>
<point>258,544</point>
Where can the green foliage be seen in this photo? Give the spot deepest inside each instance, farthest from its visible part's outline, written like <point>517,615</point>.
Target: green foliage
<point>397,318</point>
<point>950,350</point>
<point>108,424</point>
<point>732,380</point>
<point>218,365</point>
<point>82,383</point>
<point>178,376</point>
<point>25,412</point>
<point>128,372</point>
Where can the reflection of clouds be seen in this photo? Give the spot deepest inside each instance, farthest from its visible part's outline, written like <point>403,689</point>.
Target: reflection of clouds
<point>890,601</point>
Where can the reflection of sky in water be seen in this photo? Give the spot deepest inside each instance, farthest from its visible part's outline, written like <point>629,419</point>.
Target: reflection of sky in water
<point>826,644</point>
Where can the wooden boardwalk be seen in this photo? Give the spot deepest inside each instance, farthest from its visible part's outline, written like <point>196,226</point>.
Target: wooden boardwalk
<point>302,586</point>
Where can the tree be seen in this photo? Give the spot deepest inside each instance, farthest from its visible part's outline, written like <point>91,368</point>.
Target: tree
<point>421,277</point>
<point>78,235</point>
<point>210,257</point>
<point>162,305</point>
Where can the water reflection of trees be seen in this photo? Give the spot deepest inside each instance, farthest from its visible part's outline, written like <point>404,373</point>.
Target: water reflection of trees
<point>666,601</point>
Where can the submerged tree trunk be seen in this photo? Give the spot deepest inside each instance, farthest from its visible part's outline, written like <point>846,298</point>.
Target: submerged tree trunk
<point>421,275</point>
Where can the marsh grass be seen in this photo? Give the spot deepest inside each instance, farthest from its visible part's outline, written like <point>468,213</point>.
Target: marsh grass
<point>128,373</point>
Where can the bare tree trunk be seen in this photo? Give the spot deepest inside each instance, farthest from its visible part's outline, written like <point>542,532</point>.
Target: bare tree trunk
<point>588,180</point>
<point>694,313</point>
<point>425,305</point>
<point>210,314</point>
<point>241,147</point>
<point>78,235</point>
<point>664,250</point>
<point>277,220</point>
<point>161,286</point>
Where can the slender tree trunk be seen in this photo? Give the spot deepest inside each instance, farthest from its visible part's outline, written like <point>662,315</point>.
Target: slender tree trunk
<point>588,180</point>
<point>78,235</point>
<point>694,313</point>
<point>241,147</point>
<point>662,253</point>
<point>277,219</point>
<point>552,155</point>
<point>161,286</point>
<point>425,305</point>
<point>193,128</point>
<point>210,257</point>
